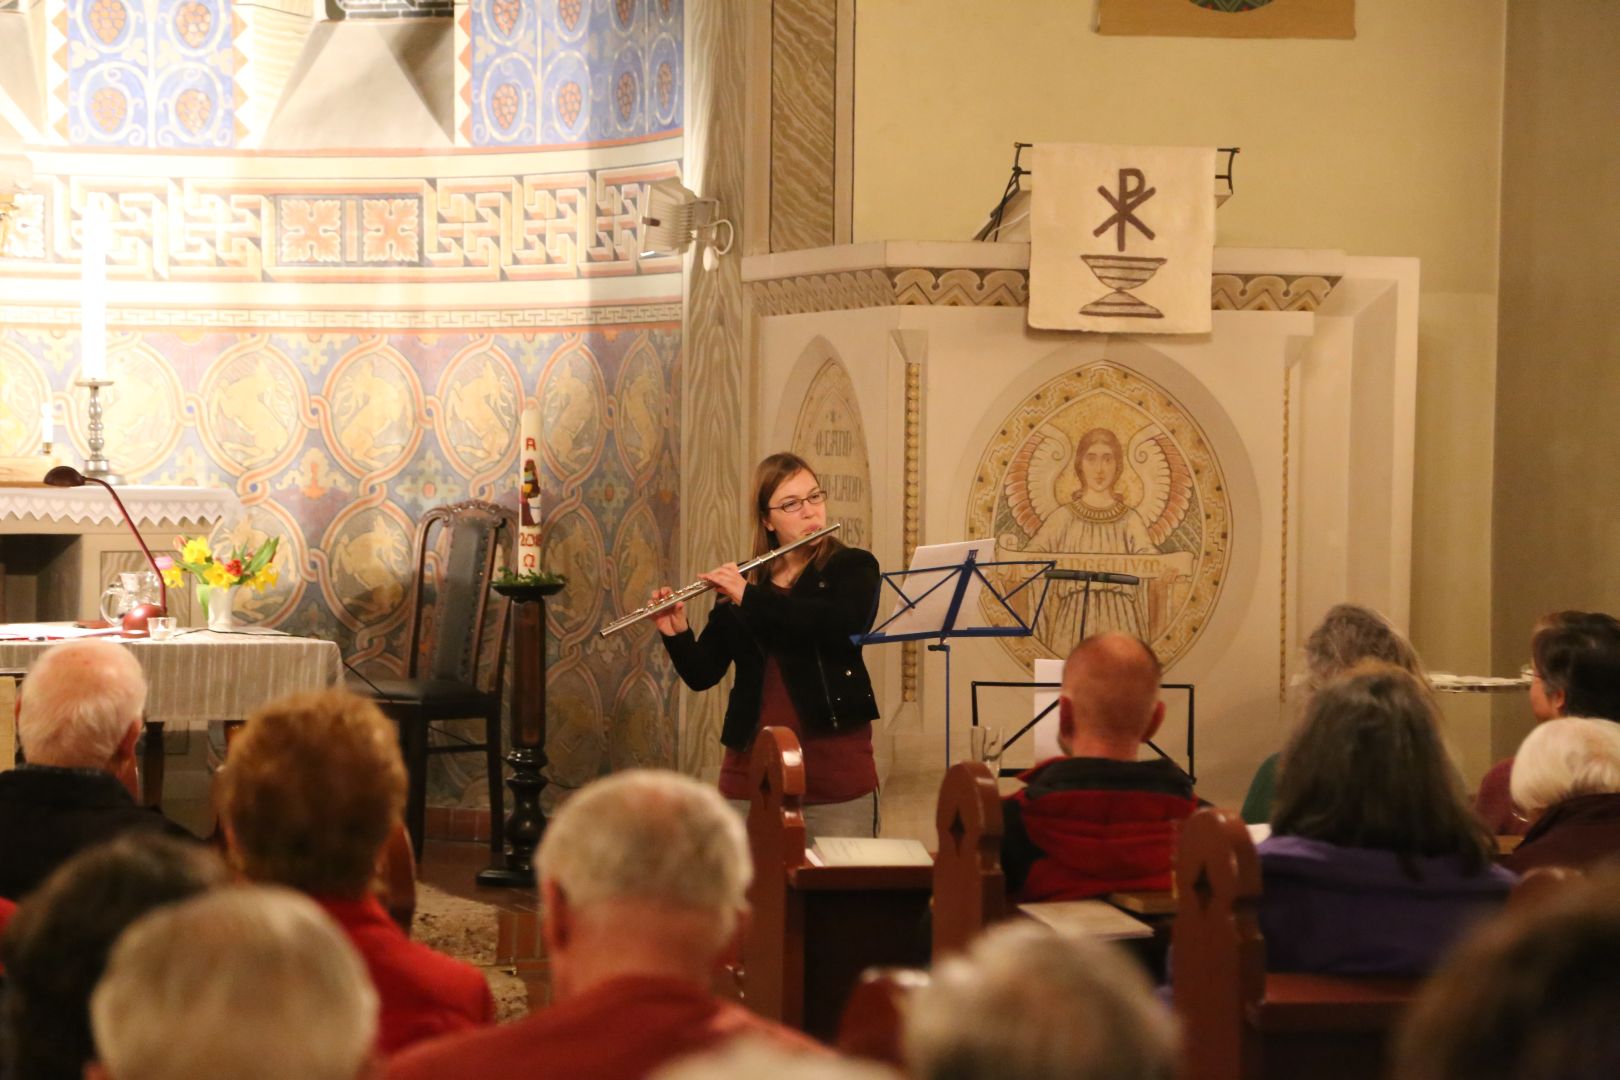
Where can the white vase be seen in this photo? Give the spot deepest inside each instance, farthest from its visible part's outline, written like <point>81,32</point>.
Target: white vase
<point>219,608</point>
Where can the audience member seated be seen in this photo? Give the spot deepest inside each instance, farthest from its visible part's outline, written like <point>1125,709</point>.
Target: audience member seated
<point>1375,862</point>
<point>247,983</point>
<point>1566,777</point>
<point>310,791</point>
<point>754,1059</point>
<point>1532,996</point>
<point>1347,635</point>
<point>1097,820</point>
<point>57,944</point>
<point>1574,671</point>
<point>78,717</point>
<point>643,884</point>
<point>1026,1003</point>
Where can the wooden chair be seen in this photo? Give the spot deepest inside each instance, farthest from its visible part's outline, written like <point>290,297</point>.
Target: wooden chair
<point>970,890</point>
<point>10,681</point>
<point>814,929</point>
<point>456,651</point>
<point>1240,1022</point>
<point>874,1021</point>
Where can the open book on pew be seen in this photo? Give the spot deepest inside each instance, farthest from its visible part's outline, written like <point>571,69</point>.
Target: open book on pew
<point>1092,918</point>
<point>867,851</point>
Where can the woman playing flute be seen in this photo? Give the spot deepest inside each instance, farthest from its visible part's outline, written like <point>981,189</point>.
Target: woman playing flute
<point>787,628</point>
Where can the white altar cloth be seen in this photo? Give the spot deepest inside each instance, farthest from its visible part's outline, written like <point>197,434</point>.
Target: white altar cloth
<point>149,504</point>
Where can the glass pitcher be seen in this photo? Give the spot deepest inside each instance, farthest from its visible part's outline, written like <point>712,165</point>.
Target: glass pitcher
<point>125,591</point>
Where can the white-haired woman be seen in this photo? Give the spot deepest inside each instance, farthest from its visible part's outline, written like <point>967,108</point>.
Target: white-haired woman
<point>1566,778</point>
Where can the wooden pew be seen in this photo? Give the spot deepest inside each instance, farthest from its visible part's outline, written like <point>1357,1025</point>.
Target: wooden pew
<point>1238,1021</point>
<point>970,891</point>
<point>814,929</point>
<point>395,883</point>
<point>873,1024</point>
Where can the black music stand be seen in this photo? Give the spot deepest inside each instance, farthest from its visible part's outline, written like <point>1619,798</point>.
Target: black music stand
<point>937,611</point>
<point>1192,709</point>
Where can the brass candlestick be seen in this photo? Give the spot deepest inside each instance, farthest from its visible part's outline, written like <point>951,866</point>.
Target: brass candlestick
<point>96,463</point>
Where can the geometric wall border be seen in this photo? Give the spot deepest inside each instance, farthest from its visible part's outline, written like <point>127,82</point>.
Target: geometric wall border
<point>226,318</point>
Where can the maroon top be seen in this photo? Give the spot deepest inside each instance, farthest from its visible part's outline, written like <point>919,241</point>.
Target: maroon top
<point>837,767</point>
<point>1494,802</point>
<point>1581,831</point>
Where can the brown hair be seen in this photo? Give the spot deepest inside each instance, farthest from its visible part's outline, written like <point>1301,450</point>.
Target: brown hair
<point>1532,995</point>
<point>1578,653</point>
<point>1091,438</point>
<point>1349,634</point>
<point>1367,769</point>
<point>770,474</point>
<point>310,791</point>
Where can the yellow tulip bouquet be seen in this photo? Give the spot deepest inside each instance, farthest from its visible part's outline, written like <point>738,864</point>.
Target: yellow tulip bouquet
<point>211,571</point>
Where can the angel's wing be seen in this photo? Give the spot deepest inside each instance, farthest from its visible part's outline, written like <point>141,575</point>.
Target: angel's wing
<point>1032,476</point>
<point>1166,481</point>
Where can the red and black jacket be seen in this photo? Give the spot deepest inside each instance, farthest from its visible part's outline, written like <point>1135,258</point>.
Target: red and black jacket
<point>1083,827</point>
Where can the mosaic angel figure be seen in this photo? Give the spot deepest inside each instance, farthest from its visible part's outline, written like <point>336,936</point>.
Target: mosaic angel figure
<point>1101,526</point>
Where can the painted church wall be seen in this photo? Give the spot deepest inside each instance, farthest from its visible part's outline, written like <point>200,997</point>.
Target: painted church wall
<point>1557,442</point>
<point>1387,144</point>
<point>346,338</point>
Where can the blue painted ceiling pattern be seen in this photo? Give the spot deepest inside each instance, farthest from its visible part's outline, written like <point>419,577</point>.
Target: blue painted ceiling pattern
<point>562,72</point>
<point>161,77</point>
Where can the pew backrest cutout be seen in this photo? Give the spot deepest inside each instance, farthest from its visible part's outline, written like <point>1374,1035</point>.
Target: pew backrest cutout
<point>814,929</point>
<point>1238,1021</point>
<point>970,890</point>
<point>873,1024</point>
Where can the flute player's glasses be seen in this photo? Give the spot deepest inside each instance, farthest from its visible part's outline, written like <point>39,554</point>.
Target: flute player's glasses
<point>793,506</point>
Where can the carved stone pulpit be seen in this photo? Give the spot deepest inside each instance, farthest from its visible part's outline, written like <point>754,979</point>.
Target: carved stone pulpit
<point>1250,477</point>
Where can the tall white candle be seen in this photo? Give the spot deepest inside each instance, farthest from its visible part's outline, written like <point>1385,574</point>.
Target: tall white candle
<point>93,294</point>
<point>47,424</point>
<point>529,532</point>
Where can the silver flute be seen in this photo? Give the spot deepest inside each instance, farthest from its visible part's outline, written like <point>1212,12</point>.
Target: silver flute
<point>699,587</point>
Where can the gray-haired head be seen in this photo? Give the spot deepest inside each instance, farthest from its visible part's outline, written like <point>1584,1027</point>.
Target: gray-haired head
<point>1564,758</point>
<point>650,835</point>
<point>752,1058</point>
<point>1349,634</point>
<point>251,983</point>
<point>79,702</point>
<point>1027,1003</point>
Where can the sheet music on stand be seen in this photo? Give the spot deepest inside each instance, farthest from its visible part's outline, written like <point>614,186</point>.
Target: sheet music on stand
<point>945,594</point>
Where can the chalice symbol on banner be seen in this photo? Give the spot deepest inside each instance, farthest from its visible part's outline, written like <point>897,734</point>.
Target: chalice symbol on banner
<point>1122,272</point>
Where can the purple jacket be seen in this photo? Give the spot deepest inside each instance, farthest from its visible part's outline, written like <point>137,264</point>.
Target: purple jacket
<point>1355,911</point>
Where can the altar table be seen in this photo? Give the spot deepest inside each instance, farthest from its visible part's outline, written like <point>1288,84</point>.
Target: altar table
<point>200,675</point>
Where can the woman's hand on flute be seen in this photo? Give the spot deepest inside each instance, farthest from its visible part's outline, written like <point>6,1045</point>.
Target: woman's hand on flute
<point>728,580</point>
<point>672,620</point>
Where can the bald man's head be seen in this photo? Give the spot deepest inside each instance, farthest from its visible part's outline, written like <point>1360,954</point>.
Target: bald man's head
<point>1110,700</point>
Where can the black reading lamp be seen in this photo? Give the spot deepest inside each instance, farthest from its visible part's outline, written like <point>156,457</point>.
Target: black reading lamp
<point>135,619</point>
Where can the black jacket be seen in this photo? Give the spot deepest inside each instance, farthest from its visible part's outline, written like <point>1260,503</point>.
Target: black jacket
<point>48,814</point>
<point>808,629</point>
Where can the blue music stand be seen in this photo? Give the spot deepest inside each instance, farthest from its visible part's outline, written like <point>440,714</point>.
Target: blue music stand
<point>938,610</point>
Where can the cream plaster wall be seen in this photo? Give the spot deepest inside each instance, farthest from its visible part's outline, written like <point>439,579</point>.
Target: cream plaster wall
<point>1389,144</point>
<point>1557,529</point>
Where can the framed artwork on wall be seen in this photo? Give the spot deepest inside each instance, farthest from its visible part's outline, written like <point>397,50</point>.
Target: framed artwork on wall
<point>1228,18</point>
